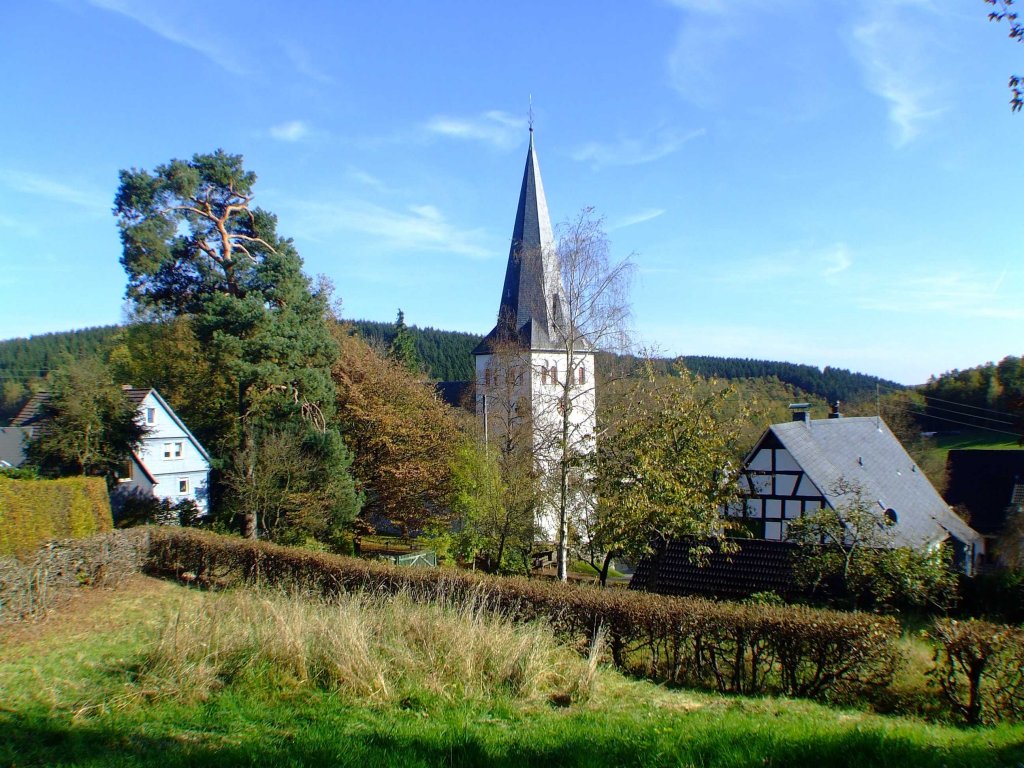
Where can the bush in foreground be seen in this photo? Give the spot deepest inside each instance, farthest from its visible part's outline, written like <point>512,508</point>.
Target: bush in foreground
<point>979,667</point>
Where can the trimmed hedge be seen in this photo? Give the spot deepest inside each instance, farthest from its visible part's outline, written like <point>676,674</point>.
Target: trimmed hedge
<point>732,648</point>
<point>35,511</point>
<point>979,668</point>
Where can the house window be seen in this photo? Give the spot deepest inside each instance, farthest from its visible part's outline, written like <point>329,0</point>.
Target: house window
<point>554,374</point>
<point>167,450</point>
<point>582,375</point>
<point>173,450</point>
<point>151,415</point>
<point>182,485</point>
<point>124,474</point>
<point>544,375</point>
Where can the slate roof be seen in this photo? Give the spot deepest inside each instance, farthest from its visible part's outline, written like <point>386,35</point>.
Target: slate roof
<point>32,416</point>
<point>531,300</point>
<point>759,566</point>
<point>864,452</point>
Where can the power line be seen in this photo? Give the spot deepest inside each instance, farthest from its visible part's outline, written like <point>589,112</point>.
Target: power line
<point>967,415</point>
<point>968,424</point>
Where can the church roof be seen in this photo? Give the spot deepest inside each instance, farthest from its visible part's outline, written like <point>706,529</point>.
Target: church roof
<point>531,300</point>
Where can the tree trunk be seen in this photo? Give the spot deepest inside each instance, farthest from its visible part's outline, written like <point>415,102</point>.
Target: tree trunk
<point>604,568</point>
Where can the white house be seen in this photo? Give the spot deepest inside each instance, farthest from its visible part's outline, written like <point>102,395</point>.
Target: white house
<point>170,462</point>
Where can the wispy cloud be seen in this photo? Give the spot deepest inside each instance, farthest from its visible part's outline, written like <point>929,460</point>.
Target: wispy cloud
<point>499,129</point>
<point>953,293</point>
<point>808,265</point>
<point>637,218</point>
<point>367,180</point>
<point>894,44</point>
<point>57,191</point>
<point>304,64</point>
<point>291,131</point>
<point>157,18</point>
<point>635,151</point>
<point>837,260</point>
<point>421,227</point>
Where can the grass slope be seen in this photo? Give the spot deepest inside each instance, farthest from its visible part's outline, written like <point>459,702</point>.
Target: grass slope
<point>75,691</point>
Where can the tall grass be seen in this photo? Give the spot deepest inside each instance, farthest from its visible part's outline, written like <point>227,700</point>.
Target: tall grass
<point>378,648</point>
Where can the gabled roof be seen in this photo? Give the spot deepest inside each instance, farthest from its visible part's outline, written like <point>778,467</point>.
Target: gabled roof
<point>532,298</point>
<point>863,452</point>
<point>32,414</point>
<point>138,394</point>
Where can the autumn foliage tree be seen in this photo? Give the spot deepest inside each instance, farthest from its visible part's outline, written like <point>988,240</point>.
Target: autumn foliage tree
<point>403,436</point>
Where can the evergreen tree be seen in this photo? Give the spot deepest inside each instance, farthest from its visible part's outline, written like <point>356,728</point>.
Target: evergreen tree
<point>194,245</point>
<point>403,347</point>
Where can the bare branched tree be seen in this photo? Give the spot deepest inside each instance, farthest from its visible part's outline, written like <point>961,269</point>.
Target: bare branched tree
<point>593,315</point>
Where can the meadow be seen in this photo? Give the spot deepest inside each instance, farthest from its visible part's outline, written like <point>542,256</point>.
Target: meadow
<point>156,674</point>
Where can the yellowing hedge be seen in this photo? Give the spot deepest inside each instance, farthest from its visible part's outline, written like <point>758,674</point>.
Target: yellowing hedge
<point>34,511</point>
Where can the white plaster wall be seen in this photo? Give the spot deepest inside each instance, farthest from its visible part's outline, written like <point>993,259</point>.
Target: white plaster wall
<point>167,471</point>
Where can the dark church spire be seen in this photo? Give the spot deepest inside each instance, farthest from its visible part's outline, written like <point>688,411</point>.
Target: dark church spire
<point>531,300</point>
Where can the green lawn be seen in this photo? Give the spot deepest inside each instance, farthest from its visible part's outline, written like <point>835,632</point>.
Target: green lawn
<point>976,439</point>
<point>74,691</point>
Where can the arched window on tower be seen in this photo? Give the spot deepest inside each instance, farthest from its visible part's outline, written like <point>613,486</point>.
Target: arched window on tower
<point>544,374</point>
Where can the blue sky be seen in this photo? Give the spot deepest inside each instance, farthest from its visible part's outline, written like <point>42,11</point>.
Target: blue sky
<point>826,183</point>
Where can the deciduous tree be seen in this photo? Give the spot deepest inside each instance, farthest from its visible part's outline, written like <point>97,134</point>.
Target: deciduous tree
<point>594,316</point>
<point>668,467</point>
<point>87,426</point>
<point>1002,10</point>
<point>855,545</point>
<point>403,436</point>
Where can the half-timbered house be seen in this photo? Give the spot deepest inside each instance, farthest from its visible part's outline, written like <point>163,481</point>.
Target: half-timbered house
<point>799,467</point>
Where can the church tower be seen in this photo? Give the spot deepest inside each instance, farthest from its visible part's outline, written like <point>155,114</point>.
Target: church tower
<point>534,371</point>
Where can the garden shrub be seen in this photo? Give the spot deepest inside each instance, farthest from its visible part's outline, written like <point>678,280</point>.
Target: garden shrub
<point>35,511</point>
<point>730,647</point>
<point>979,668</point>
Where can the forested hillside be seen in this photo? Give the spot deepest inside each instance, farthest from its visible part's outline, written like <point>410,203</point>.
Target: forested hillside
<point>989,397</point>
<point>446,356</point>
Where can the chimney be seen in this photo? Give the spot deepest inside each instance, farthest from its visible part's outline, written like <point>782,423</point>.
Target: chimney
<point>834,413</point>
<point>801,412</point>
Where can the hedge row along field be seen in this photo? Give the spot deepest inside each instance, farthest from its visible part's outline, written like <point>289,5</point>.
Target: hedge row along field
<point>728,647</point>
<point>978,669</point>
<point>36,511</point>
